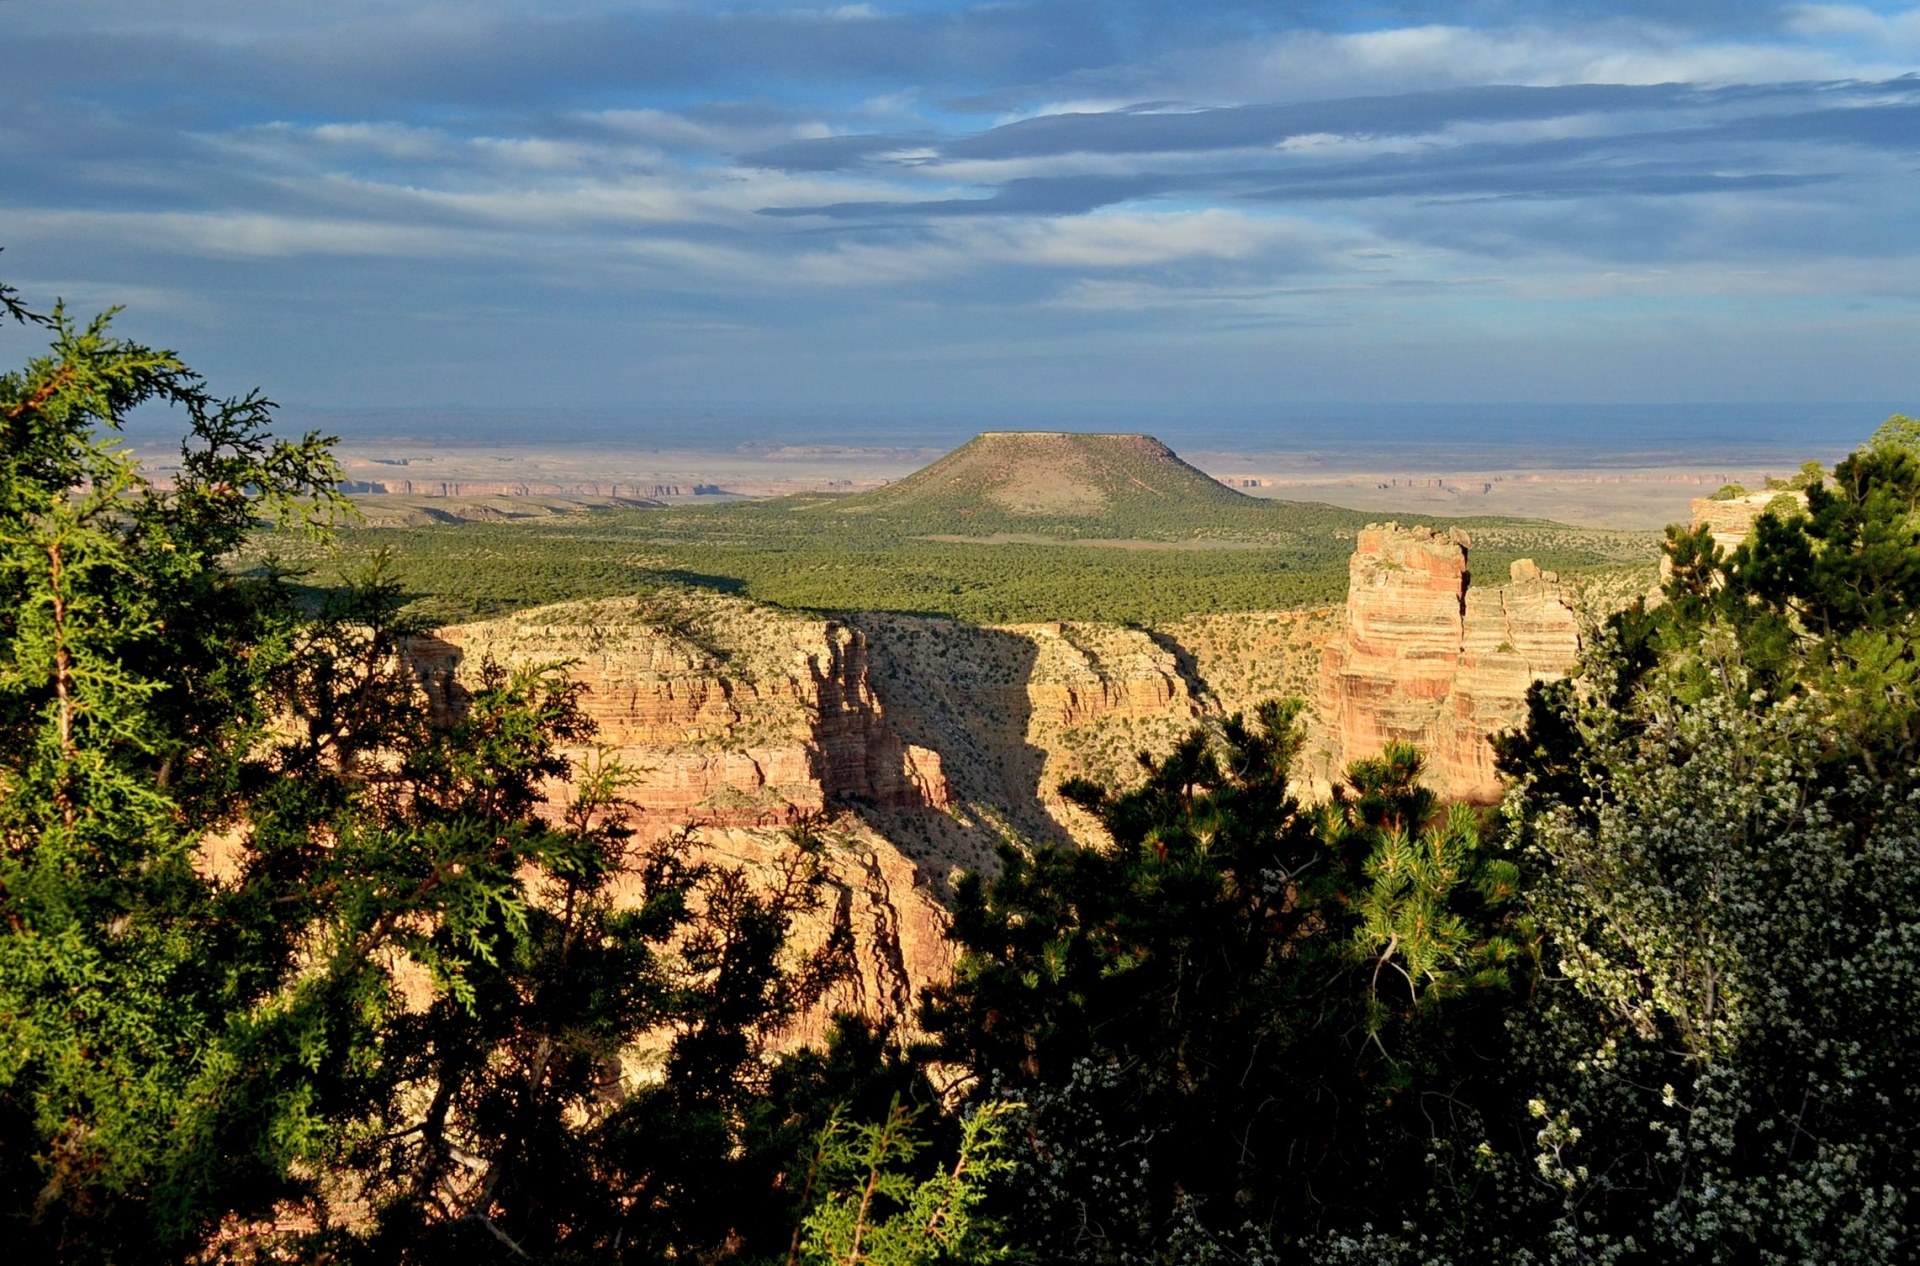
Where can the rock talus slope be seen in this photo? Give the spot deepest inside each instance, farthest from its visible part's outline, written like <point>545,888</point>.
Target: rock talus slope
<point>1426,658</point>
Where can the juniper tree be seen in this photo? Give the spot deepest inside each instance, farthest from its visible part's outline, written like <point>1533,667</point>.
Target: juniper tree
<point>1189,1011</point>
<point>290,959</point>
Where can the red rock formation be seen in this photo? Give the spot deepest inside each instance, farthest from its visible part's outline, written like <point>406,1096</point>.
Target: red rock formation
<point>1425,659</point>
<point>738,722</point>
<point>726,716</point>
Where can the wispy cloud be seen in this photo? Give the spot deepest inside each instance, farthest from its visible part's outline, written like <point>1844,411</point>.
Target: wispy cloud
<point>777,188</point>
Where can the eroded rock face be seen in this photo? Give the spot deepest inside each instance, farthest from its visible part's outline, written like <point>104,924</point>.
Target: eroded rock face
<point>916,744</point>
<point>737,722</point>
<point>728,715</point>
<point>1015,711</point>
<point>898,925</point>
<point>1427,659</point>
<point>1729,522</point>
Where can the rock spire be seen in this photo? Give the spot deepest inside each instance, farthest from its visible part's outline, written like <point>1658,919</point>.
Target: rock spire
<point>1425,657</point>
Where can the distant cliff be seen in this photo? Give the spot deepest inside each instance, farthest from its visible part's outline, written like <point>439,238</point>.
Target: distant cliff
<point>1732,519</point>
<point>521,488</point>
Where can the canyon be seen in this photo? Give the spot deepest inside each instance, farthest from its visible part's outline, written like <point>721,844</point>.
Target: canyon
<point>915,746</point>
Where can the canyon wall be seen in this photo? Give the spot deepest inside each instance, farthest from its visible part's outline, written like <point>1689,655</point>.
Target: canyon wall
<point>914,746</point>
<point>1425,657</point>
<point>728,715</point>
<point>1015,711</point>
<point>737,722</point>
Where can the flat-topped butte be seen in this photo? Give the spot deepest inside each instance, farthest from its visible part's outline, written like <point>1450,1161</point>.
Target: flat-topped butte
<point>1076,485</point>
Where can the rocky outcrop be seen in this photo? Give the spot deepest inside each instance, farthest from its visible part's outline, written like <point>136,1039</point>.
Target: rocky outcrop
<point>897,925</point>
<point>727,715</point>
<point>1425,658</point>
<point>1728,520</point>
<point>1731,520</point>
<point>737,722</point>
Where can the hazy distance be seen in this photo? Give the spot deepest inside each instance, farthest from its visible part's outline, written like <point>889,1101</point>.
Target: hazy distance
<point>1361,435</point>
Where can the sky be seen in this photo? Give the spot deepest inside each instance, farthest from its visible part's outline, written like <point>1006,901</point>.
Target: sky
<point>1017,212</point>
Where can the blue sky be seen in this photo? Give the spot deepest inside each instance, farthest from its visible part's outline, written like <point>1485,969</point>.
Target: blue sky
<point>1018,211</point>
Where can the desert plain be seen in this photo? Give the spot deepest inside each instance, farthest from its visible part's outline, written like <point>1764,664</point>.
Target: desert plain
<point>1625,492</point>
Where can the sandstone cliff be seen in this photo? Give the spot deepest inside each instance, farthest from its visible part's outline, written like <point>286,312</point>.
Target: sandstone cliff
<point>1015,711</point>
<point>1729,522</point>
<point>728,714</point>
<point>915,745</point>
<point>1423,657</point>
<point>737,722</point>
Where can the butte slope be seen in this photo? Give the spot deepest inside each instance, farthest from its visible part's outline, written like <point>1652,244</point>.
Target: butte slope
<point>1071,486</point>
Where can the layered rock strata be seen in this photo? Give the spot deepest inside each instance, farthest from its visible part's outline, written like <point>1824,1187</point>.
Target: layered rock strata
<point>1014,712</point>
<point>920,743</point>
<point>915,745</point>
<point>1425,658</point>
<point>1729,522</point>
<point>736,723</point>
<point>727,715</point>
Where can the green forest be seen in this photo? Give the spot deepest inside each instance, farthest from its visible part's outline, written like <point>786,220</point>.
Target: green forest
<point>1179,545</point>
<point>823,553</point>
<point>1656,1006</point>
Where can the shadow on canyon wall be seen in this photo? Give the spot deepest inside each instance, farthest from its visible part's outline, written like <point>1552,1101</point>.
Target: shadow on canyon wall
<point>436,664</point>
<point>962,691</point>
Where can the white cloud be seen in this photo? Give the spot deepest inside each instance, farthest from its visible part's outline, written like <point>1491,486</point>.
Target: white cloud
<point>1097,245</point>
<point>1894,32</point>
<point>1314,65</point>
<point>216,234</point>
<point>1145,239</point>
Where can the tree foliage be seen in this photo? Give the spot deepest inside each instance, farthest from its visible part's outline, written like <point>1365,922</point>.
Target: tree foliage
<point>1192,1014</point>
<point>289,958</point>
<point>1720,829</point>
<point>875,1210</point>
